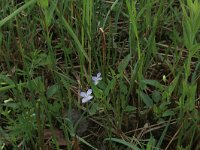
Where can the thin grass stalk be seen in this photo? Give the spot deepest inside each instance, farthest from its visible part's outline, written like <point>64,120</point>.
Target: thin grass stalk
<point>133,26</point>
<point>86,27</point>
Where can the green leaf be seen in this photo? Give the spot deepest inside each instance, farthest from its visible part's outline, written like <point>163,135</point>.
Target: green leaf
<point>49,12</point>
<point>97,92</point>
<point>37,85</point>
<point>5,80</point>
<point>146,99</point>
<point>124,63</point>
<point>123,88</point>
<point>168,113</point>
<point>151,143</point>
<point>94,109</point>
<point>156,96</point>
<point>130,109</point>
<point>19,84</point>
<point>171,87</point>
<point>54,108</point>
<point>153,83</point>
<point>43,3</point>
<point>110,86</point>
<point>121,141</point>
<point>52,90</point>
<point>191,96</point>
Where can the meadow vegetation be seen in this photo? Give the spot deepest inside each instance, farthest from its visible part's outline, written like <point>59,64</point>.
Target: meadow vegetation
<point>100,74</point>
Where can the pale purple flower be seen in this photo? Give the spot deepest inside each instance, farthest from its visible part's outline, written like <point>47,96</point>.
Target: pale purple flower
<point>86,96</point>
<point>97,78</point>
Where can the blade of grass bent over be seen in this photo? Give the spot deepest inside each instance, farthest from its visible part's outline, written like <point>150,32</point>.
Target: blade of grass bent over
<point>16,12</point>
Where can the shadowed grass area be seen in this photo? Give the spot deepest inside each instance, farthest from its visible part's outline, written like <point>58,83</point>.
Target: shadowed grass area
<point>95,74</point>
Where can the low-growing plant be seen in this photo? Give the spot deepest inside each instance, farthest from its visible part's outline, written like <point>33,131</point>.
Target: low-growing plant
<point>98,74</point>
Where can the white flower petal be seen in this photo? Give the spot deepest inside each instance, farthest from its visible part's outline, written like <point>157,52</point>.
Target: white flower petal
<point>90,97</point>
<point>89,92</point>
<point>86,99</point>
<point>94,78</point>
<point>97,78</point>
<point>83,94</point>
<point>100,78</point>
<point>98,74</point>
<point>96,82</point>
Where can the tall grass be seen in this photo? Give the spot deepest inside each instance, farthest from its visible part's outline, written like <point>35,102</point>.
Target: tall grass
<point>146,51</point>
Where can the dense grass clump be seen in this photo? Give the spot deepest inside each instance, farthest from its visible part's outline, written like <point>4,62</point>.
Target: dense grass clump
<point>96,74</point>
